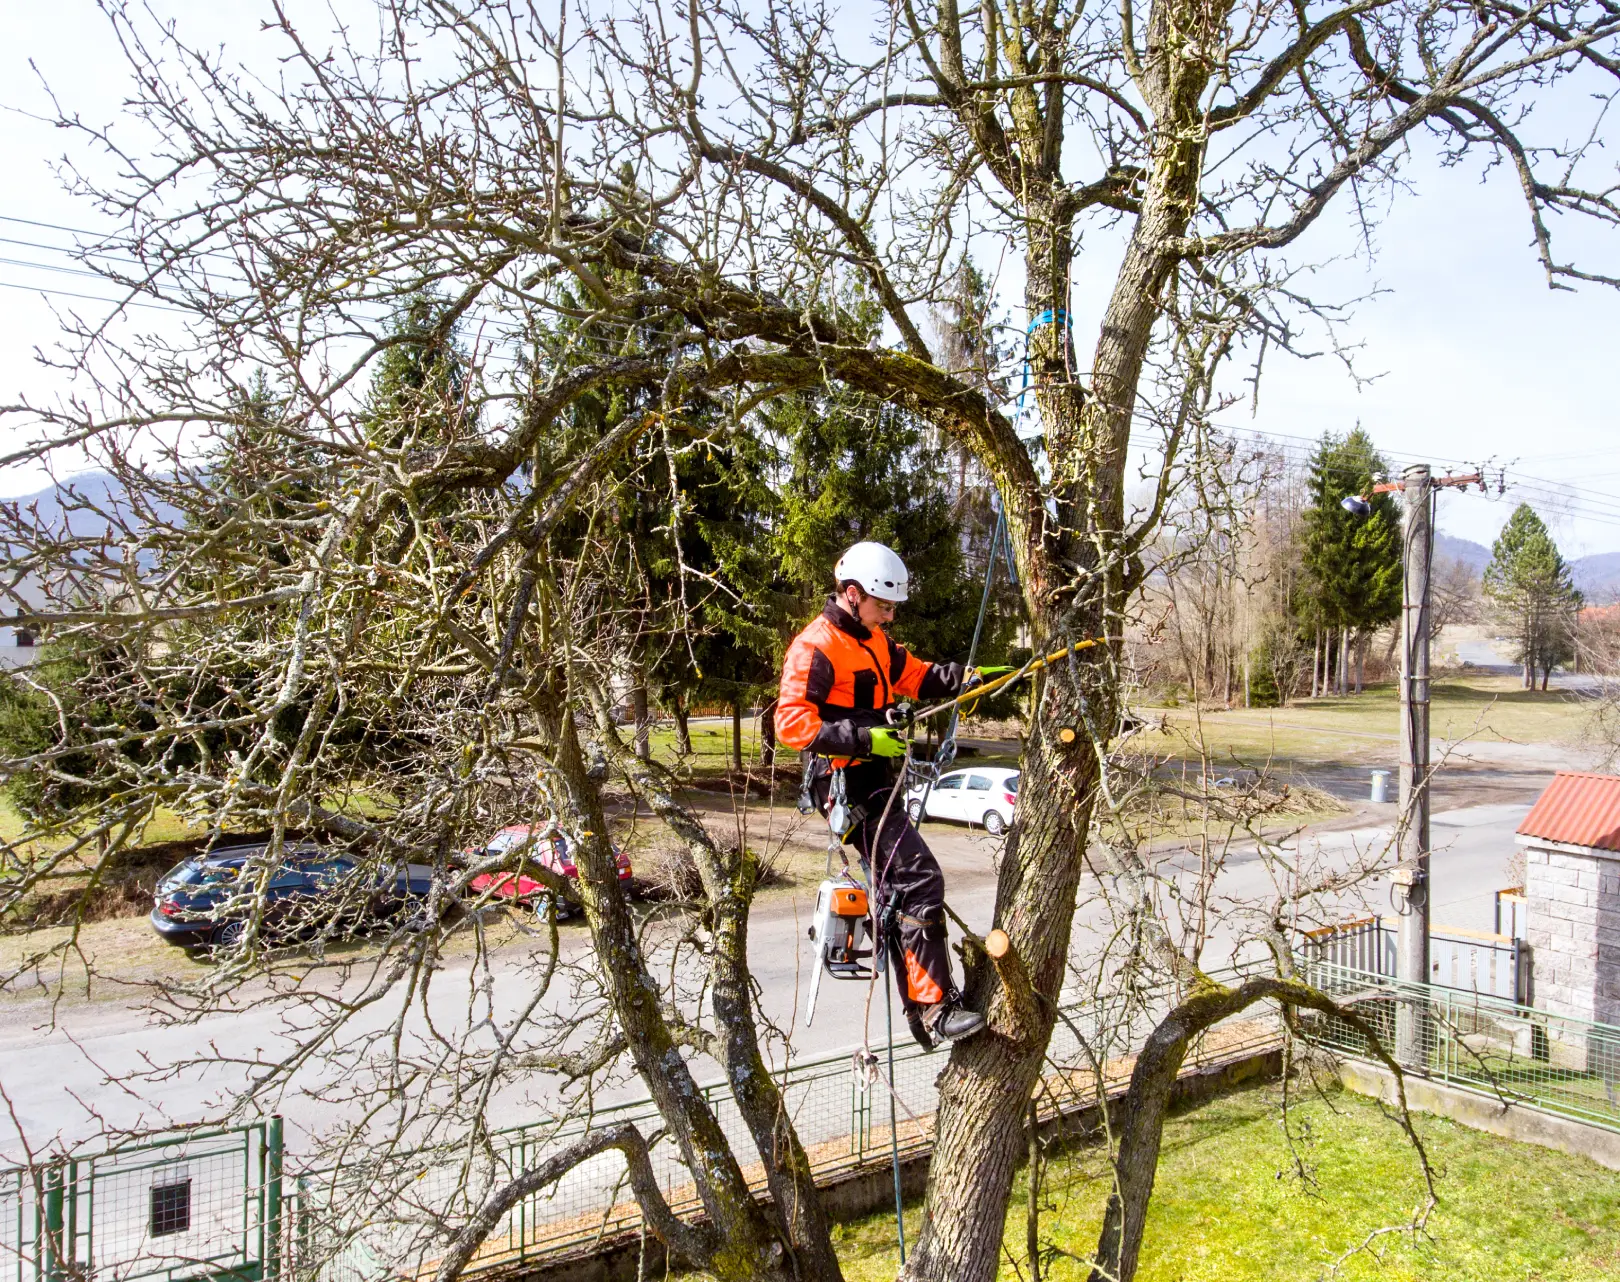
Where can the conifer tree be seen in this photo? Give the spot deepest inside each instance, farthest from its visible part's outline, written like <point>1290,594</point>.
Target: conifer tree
<point>1353,563</point>
<point>1529,581</point>
<point>861,470</point>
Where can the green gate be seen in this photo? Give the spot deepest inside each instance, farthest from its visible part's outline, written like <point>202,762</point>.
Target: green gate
<point>199,1205</point>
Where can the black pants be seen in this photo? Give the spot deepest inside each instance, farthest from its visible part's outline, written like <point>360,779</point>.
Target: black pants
<point>902,870</point>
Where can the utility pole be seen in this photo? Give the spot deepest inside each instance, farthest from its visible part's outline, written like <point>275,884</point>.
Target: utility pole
<point>1411,875</point>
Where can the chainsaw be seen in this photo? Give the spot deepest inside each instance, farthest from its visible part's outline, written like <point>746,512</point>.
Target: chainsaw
<point>842,932</point>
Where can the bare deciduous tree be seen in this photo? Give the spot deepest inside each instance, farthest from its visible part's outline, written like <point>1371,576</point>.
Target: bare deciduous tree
<point>756,184</point>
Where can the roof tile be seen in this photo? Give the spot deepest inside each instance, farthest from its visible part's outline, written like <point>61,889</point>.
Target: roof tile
<point>1578,810</point>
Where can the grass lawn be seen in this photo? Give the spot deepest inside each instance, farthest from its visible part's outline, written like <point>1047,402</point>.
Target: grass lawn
<point>1483,708</point>
<point>1229,1206</point>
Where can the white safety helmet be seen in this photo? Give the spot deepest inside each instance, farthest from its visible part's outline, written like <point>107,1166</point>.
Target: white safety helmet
<point>876,568</point>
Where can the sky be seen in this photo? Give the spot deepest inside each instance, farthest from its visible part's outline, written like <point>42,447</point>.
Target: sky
<point>1471,358</point>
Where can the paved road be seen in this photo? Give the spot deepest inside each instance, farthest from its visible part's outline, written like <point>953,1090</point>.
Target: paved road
<point>59,1083</point>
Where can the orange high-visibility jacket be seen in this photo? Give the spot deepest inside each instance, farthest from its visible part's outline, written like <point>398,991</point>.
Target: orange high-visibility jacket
<point>840,678</point>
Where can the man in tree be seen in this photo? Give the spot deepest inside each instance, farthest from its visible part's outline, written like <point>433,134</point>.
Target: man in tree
<point>842,677</point>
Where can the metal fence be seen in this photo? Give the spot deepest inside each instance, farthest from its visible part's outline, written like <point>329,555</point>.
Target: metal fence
<point>1519,1055</point>
<point>840,1111</point>
<point>202,1203</point>
<point>1512,913</point>
<point>1471,961</point>
<point>216,1204</point>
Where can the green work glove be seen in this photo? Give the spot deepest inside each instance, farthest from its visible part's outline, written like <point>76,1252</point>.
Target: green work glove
<point>886,743</point>
<point>980,675</point>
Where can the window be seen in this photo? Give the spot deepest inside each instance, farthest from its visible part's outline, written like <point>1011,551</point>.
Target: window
<point>978,783</point>
<point>25,638</point>
<point>1011,785</point>
<point>948,783</point>
<point>171,1207</point>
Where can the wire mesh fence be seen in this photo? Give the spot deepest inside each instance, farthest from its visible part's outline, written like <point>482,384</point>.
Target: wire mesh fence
<point>214,1204</point>
<point>1520,1055</point>
<point>203,1203</point>
<point>840,1106</point>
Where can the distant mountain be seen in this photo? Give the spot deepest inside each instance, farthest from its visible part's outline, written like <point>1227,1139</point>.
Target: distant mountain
<point>1598,576</point>
<point>1476,556</point>
<point>81,504</point>
<point>70,503</point>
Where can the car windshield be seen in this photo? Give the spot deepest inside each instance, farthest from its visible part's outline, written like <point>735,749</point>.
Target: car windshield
<point>509,839</point>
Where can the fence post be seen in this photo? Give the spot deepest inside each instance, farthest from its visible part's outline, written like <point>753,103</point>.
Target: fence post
<point>271,1254</point>
<point>302,1232</point>
<point>50,1243</point>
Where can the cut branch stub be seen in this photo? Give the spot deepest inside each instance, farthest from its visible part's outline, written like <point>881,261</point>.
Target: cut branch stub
<point>1018,994</point>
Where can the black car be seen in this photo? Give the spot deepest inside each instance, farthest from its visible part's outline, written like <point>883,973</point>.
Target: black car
<point>207,900</point>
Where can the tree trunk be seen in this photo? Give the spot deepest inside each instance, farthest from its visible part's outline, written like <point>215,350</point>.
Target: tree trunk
<point>736,735</point>
<point>638,706</point>
<point>1072,534</point>
<point>986,1087</point>
<point>681,710</point>
<point>1361,660</point>
<point>1316,663</point>
<point>747,1246</point>
<point>1344,661</point>
<point>728,882</point>
<point>1136,1165</point>
<point>767,733</point>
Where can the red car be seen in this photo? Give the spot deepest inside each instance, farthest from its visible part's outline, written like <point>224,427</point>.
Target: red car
<point>549,852</point>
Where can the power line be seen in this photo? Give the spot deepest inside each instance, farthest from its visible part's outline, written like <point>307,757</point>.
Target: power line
<point>94,298</point>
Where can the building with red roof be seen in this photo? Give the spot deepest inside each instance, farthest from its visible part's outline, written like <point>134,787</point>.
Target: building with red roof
<point>1571,841</point>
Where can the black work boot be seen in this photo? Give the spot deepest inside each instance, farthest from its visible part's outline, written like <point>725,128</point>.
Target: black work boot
<point>950,1021</point>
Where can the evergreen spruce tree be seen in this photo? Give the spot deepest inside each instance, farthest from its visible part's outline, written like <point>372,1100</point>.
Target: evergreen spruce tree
<point>1352,563</point>
<point>418,392</point>
<point>859,470</point>
<point>1529,581</point>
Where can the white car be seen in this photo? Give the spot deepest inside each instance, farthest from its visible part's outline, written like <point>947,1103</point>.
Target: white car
<point>980,795</point>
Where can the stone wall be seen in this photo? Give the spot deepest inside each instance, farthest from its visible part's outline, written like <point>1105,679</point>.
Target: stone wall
<point>1573,902</point>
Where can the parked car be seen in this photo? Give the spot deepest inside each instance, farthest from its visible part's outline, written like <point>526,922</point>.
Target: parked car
<point>550,851</point>
<point>207,900</point>
<point>981,795</point>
